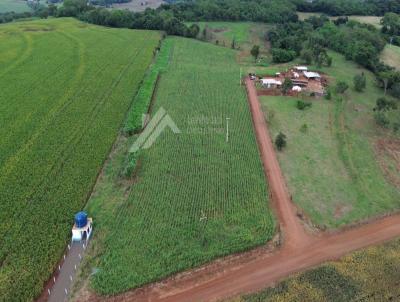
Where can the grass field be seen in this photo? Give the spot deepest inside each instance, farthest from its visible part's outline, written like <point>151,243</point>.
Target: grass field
<point>195,196</point>
<point>136,5</point>
<point>368,275</point>
<point>333,168</point>
<point>373,20</point>
<point>64,91</point>
<point>245,34</point>
<point>240,31</point>
<point>18,6</point>
<point>391,56</point>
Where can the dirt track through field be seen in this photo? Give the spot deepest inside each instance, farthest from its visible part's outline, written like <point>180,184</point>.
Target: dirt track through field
<point>299,250</point>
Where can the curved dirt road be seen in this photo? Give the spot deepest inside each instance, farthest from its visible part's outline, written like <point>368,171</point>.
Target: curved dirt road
<point>300,250</point>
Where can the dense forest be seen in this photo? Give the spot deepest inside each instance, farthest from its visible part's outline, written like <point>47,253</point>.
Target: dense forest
<point>268,11</point>
<point>349,7</point>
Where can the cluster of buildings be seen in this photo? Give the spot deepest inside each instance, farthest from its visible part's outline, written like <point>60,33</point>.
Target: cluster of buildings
<point>302,79</point>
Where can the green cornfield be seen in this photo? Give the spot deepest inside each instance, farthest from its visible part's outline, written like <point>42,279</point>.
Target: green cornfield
<point>65,88</point>
<point>196,196</point>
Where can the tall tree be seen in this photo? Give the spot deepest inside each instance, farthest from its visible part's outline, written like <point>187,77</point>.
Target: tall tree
<point>287,85</point>
<point>360,82</point>
<point>255,52</point>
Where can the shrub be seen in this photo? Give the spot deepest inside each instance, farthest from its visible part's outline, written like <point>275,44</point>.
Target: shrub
<point>341,87</point>
<point>396,126</point>
<point>304,128</point>
<point>301,105</point>
<point>328,94</point>
<point>383,104</point>
<point>141,103</point>
<point>287,85</point>
<point>282,55</point>
<point>381,119</point>
<point>130,164</point>
<point>280,141</point>
<point>360,82</point>
<point>395,90</point>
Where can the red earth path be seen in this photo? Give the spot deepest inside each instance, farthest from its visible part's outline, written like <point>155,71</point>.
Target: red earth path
<point>299,250</point>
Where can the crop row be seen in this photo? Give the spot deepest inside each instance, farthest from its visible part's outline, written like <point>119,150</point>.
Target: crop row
<point>56,144</point>
<point>196,196</point>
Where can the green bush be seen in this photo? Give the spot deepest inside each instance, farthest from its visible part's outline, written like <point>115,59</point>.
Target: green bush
<point>383,104</point>
<point>341,87</point>
<point>130,164</point>
<point>304,128</point>
<point>280,141</point>
<point>143,98</point>
<point>282,55</point>
<point>302,105</point>
<point>381,119</point>
<point>328,94</point>
<point>360,82</point>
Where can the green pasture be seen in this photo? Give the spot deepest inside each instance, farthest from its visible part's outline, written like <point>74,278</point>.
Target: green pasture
<point>332,168</point>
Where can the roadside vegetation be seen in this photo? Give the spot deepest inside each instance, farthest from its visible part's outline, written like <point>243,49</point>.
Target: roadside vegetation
<point>63,100</point>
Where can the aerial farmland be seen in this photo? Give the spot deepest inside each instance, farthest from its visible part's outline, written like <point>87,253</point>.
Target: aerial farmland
<point>60,115</point>
<point>216,150</point>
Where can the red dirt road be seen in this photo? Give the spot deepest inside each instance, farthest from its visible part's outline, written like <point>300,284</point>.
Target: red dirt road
<point>299,251</point>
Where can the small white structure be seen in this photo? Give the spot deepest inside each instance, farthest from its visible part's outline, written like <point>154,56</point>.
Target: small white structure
<point>296,75</point>
<point>82,228</point>
<point>311,75</point>
<point>270,83</point>
<point>296,88</point>
<point>301,68</point>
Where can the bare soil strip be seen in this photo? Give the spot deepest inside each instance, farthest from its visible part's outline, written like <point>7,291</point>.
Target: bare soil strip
<point>299,251</point>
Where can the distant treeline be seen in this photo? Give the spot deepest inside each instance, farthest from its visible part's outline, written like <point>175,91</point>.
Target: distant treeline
<point>349,7</point>
<point>171,17</point>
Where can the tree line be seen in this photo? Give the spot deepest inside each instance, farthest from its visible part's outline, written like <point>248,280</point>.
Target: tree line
<point>349,7</point>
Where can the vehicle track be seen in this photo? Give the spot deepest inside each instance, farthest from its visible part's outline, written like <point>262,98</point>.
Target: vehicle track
<point>299,251</point>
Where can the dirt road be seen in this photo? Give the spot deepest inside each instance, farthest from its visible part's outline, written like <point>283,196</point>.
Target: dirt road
<point>299,251</point>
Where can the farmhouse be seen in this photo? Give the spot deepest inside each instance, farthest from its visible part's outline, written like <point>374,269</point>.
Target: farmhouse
<point>303,81</point>
<point>270,83</point>
<point>301,68</point>
<point>312,75</point>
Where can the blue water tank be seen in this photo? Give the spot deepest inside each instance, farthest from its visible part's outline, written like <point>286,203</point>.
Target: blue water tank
<point>80,219</point>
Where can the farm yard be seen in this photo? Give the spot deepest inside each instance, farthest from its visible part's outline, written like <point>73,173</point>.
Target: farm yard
<point>336,140</point>
<point>63,99</point>
<point>210,197</point>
